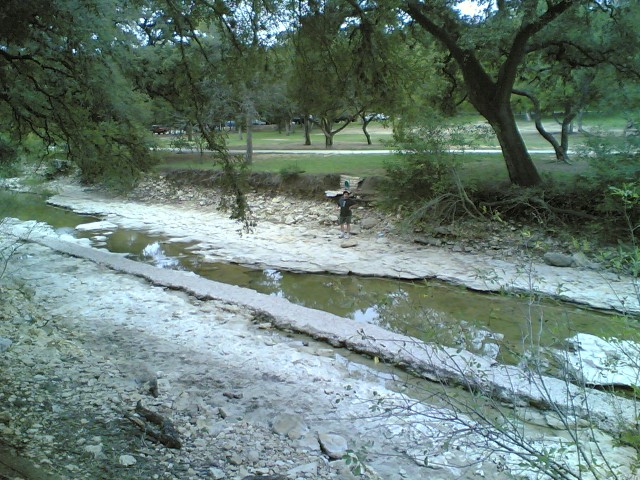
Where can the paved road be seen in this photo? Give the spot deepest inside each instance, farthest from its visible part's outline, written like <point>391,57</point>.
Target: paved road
<point>378,152</point>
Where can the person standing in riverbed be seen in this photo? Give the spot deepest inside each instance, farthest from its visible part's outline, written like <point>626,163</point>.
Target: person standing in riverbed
<point>345,202</point>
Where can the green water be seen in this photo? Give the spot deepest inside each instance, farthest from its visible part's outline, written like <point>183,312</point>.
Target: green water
<point>430,310</point>
<point>26,206</point>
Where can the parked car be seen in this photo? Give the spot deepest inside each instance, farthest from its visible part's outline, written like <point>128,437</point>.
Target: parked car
<point>159,129</point>
<point>300,120</point>
<point>259,122</point>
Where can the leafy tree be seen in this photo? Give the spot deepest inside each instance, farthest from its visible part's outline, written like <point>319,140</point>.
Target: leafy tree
<point>423,180</point>
<point>382,66</point>
<point>62,79</point>
<point>324,82</point>
<point>180,68</point>
<point>247,65</point>
<point>347,65</point>
<point>576,68</point>
<point>489,50</point>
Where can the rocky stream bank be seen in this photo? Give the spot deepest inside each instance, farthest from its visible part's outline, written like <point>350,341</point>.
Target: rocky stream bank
<point>85,336</point>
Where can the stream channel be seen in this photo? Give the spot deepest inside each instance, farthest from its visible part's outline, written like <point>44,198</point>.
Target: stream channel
<point>497,325</point>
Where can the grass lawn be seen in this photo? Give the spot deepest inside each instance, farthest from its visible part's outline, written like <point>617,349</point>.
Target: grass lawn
<point>360,165</point>
<point>476,166</point>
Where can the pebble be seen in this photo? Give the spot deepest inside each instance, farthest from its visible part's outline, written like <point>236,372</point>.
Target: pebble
<point>127,460</point>
<point>335,446</point>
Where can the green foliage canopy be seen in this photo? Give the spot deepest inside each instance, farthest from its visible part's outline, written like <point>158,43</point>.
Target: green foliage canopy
<point>62,79</point>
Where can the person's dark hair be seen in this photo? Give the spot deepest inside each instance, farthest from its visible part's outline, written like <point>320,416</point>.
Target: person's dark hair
<point>346,191</point>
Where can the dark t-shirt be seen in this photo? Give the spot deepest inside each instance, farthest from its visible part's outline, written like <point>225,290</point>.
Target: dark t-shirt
<point>345,206</point>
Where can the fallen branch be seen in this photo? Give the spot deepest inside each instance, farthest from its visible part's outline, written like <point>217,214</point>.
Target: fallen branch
<point>163,432</point>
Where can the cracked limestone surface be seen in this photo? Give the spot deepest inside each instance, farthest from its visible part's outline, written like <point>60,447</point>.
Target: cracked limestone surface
<point>99,338</point>
<point>311,245</point>
<point>86,343</point>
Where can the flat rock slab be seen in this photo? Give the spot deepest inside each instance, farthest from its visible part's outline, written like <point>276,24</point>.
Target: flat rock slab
<point>84,227</point>
<point>453,366</point>
<point>205,343</point>
<point>305,249</point>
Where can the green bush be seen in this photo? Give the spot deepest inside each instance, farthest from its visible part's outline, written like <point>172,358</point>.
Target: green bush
<point>626,258</point>
<point>612,160</point>
<point>113,155</point>
<point>57,168</point>
<point>289,172</point>
<point>180,142</point>
<point>422,169</point>
<point>8,159</point>
<point>422,182</point>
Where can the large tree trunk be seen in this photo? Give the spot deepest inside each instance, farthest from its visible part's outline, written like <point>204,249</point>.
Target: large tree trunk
<point>325,125</point>
<point>248,157</point>
<point>491,96</point>
<point>561,155</point>
<point>559,149</point>
<point>307,130</point>
<point>579,117</point>
<point>364,130</point>
<point>520,167</point>
<point>567,128</point>
<point>328,141</point>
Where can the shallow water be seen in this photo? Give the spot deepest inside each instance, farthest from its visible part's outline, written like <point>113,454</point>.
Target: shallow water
<point>430,310</point>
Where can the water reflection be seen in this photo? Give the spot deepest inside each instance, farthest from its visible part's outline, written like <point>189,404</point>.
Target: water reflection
<point>367,315</point>
<point>28,206</point>
<point>428,310</point>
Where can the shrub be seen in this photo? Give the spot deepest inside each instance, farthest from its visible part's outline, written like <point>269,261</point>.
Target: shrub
<point>612,160</point>
<point>423,167</point>
<point>289,172</point>
<point>8,159</point>
<point>626,258</point>
<point>423,181</point>
<point>180,142</point>
<point>57,168</point>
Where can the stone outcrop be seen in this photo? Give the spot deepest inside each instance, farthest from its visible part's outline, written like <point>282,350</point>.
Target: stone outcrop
<point>304,245</point>
<point>595,361</point>
<point>249,400</point>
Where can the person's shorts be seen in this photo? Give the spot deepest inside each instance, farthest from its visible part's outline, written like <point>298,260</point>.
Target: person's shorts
<point>342,220</point>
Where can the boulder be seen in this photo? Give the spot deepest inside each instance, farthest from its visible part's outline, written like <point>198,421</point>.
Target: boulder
<point>263,477</point>
<point>127,460</point>
<point>426,240</point>
<point>349,243</point>
<point>291,425</point>
<point>333,445</point>
<point>581,260</point>
<point>557,259</point>
<point>5,343</point>
<point>368,223</point>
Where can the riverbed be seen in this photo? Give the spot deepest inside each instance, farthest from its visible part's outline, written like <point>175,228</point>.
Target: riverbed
<point>72,286</point>
<point>431,310</point>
